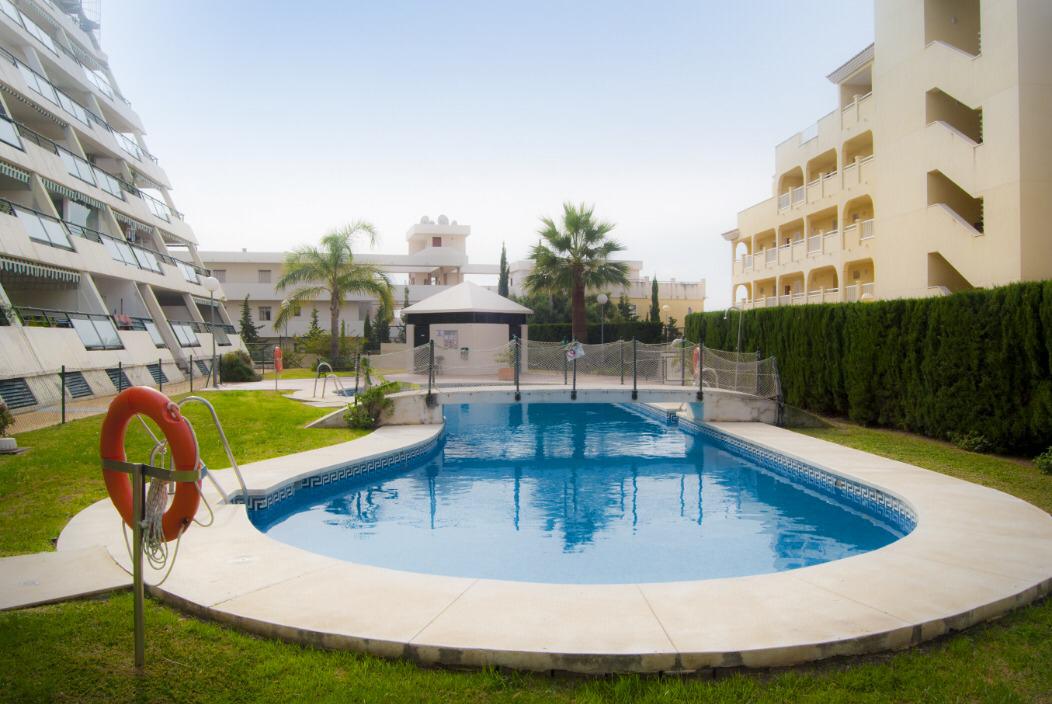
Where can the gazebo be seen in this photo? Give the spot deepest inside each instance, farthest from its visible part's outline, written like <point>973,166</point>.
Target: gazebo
<point>467,323</point>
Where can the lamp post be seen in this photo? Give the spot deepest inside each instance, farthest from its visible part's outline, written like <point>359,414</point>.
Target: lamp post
<point>211,285</point>
<point>738,349</point>
<point>601,299</point>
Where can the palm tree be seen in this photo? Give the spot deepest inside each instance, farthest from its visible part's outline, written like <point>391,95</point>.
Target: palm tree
<point>575,259</point>
<point>330,269</point>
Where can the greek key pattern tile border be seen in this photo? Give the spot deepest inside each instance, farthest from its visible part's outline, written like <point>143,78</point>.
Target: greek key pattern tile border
<point>869,499</point>
<point>395,458</point>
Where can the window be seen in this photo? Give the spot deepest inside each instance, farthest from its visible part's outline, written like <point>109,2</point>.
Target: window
<point>43,229</point>
<point>9,133</point>
<point>189,273</point>
<point>264,312</point>
<point>264,276</point>
<point>184,333</point>
<point>220,275</point>
<point>436,241</point>
<point>296,311</point>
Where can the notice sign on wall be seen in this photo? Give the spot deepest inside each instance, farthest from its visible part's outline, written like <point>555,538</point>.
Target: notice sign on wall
<point>447,339</point>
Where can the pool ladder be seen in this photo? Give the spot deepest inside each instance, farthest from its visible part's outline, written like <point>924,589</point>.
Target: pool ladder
<point>336,383</point>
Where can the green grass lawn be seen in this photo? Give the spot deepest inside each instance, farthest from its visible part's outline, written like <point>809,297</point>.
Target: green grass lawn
<point>40,490</point>
<point>303,373</point>
<point>81,651</point>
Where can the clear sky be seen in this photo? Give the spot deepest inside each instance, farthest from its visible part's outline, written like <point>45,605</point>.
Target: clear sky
<point>278,120</point>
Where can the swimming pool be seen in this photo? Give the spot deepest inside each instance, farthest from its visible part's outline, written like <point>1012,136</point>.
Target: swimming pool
<point>581,493</point>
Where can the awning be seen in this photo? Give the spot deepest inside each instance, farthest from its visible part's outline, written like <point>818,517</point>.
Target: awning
<point>21,267</point>
<point>36,106</point>
<point>205,302</point>
<point>72,195</point>
<point>14,172</point>
<point>132,222</point>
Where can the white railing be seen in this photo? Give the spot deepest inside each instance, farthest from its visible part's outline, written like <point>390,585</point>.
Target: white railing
<point>814,244</point>
<point>783,200</point>
<point>866,229</point>
<point>828,240</point>
<point>831,295</point>
<point>747,261</point>
<point>814,297</point>
<point>798,195</point>
<point>771,256</point>
<point>797,298</point>
<point>868,290</point>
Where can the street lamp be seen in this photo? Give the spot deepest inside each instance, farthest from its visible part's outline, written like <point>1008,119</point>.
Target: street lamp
<point>601,299</point>
<point>668,323</point>
<point>738,349</point>
<point>211,285</point>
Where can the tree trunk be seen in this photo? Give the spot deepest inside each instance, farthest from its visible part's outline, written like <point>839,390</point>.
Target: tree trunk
<point>334,330</point>
<point>578,311</point>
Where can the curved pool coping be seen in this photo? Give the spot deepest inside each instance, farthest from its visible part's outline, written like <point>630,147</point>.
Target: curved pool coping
<point>974,554</point>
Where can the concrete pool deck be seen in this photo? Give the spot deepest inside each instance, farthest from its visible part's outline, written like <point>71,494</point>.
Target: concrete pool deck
<point>975,554</point>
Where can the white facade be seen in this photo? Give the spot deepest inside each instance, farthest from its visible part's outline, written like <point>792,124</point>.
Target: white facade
<point>97,267</point>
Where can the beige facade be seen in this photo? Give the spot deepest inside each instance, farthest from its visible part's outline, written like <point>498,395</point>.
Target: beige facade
<point>931,175</point>
<point>97,267</point>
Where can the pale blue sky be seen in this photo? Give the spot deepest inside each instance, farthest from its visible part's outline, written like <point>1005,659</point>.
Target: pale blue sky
<point>276,121</point>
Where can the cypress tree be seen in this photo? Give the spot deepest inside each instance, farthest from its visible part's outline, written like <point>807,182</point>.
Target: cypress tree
<point>655,309</point>
<point>367,330</point>
<point>502,282</point>
<point>248,330</point>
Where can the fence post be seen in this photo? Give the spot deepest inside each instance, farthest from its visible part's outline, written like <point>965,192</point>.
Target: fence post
<point>63,374</point>
<point>701,365</point>
<point>430,370</point>
<point>120,377</point>
<point>682,363</point>
<point>518,344</point>
<point>635,389</point>
<point>622,365</point>
<point>573,391</point>
<point>190,368</point>
<point>357,374</point>
<point>160,376</point>
<point>565,363</point>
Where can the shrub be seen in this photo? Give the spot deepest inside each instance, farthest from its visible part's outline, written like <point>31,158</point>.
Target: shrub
<point>977,361</point>
<point>971,441</point>
<point>237,366</point>
<point>369,405</point>
<point>7,419</point>
<point>1044,461</point>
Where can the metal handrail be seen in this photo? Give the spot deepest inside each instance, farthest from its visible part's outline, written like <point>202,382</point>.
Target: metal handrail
<point>317,376</point>
<point>226,447</point>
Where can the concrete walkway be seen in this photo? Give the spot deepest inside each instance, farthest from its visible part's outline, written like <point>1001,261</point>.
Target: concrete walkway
<point>46,577</point>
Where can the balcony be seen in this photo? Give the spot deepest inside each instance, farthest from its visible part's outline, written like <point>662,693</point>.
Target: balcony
<point>857,113</point>
<point>96,331</point>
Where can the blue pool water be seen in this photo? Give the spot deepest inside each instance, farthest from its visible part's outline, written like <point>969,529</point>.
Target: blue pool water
<point>575,493</point>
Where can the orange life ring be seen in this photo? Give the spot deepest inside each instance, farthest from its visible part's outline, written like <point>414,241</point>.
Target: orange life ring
<point>278,366</point>
<point>697,359</point>
<point>162,411</point>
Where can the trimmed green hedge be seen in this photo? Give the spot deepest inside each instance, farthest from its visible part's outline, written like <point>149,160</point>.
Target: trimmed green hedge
<point>976,362</point>
<point>562,332</point>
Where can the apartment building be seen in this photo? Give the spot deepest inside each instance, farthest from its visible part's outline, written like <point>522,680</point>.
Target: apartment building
<point>99,272</point>
<point>436,259</point>
<point>929,177</point>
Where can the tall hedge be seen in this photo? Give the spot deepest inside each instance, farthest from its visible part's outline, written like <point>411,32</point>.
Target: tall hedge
<point>974,362</point>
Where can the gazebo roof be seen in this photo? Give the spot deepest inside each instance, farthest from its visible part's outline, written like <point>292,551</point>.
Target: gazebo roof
<point>466,298</point>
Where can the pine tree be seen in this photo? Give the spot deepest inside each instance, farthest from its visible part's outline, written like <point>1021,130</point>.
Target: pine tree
<point>405,296</point>
<point>367,331</point>
<point>655,309</point>
<point>624,308</point>
<point>315,330</point>
<point>502,282</point>
<point>249,331</point>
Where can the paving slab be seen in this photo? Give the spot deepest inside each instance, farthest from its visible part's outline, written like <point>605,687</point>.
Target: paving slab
<point>48,577</point>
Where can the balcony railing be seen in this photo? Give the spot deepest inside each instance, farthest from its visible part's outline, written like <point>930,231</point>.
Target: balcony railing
<point>127,322</point>
<point>799,195</point>
<point>40,227</point>
<point>784,200</point>
<point>866,231</point>
<point>74,109</point>
<point>771,256</point>
<point>858,292</point>
<point>96,331</point>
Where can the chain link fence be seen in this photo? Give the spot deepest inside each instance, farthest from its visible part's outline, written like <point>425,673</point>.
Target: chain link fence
<point>58,396</point>
<point>627,362</point>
